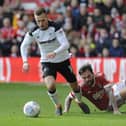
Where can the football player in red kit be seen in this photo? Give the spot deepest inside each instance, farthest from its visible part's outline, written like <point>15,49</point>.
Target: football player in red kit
<point>104,94</point>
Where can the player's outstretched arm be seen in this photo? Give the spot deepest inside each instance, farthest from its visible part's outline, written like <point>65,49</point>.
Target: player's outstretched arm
<point>67,103</point>
<point>112,99</point>
<point>81,104</point>
<point>24,51</point>
<point>114,103</point>
<point>84,107</point>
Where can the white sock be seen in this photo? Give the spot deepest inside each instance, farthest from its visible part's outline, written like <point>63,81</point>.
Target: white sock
<point>78,95</point>
<point>54,98</point>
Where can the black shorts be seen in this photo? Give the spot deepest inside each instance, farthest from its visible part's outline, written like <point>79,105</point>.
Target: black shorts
<point>64,68</point>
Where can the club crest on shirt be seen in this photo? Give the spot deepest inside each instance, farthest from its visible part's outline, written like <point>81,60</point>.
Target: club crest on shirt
<point>98,95</point>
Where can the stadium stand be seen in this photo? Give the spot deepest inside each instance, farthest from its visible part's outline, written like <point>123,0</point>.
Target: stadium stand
<point>91,25</point>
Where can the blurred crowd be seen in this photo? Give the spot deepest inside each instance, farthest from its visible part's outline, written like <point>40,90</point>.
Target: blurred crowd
<point>95,28</point>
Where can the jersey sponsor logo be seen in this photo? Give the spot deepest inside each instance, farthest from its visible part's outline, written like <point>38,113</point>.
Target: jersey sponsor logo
<point>98,95</point>
<point>46,36</point>
<point>49,41</point>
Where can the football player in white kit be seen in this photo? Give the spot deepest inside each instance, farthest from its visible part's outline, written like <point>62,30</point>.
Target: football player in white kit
<point>53,46</point>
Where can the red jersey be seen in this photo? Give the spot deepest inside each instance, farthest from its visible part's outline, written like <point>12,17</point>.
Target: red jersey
<point>96,94</point>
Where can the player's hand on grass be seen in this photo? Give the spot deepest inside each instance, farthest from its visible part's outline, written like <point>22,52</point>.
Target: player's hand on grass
<point>25,67</point>
<point>51,55</point>
<point>84,107</point>
<point>65,111</point>
<point>117,113</point>
<point>67,104</point>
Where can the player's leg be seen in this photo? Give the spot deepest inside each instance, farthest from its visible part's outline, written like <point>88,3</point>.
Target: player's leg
<point>50,84</point>
<point>66,70</point>
<point>49,75</point>
<point>120,90</point>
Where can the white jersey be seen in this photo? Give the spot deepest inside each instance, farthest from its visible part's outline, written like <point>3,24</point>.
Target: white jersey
<point>52,39</point>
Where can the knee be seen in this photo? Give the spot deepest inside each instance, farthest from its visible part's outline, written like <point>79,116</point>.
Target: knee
<point>50,83</point>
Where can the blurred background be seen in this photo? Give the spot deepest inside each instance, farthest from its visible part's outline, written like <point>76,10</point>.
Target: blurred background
<point>95,28</point>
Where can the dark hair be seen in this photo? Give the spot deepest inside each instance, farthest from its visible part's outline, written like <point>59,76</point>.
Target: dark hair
<point>84,68</point>
<point>39,11</point>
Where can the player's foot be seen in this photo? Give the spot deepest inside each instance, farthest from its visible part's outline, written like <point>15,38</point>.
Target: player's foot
<point>84,107</point>
<point>58,111</point>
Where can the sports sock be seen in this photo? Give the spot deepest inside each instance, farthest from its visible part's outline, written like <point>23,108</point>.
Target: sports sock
<point>78,95</point>
<point>54,97</point>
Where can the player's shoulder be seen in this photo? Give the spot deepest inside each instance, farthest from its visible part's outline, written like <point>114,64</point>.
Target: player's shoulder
<point>101,79</point>
<point>56,25</point>
<point>33,30</point>
<point>100,75</point>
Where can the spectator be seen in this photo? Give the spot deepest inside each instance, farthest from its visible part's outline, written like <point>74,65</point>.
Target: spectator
<point>60,8</point>
<point>53,15</point>
<point>67,3</point>
<point>115,49</point>
<point>75,51</point>
<point>107,22</point>
<point>29,22</point>
<point>120,6</point>
<point>75,13</point>
<point>20,32</point>
<point>68,20</point>
<point>81,19</point>
<point>90,7</point>
<point>90,26</point>
<point>123,40</point>
<point>14,51</point>
<point>106,7</point>
<point>7,36</point>
<point>123,22</point>
<point>98,17</point>
<point>84,32</point>
<point>1,17</point>
<point>105,52</point>
<point>103,41</point>
<point>88,52</point>
<point>116,18</point>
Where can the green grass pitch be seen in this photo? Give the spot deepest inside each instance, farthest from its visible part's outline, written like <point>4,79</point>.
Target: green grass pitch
<point>14,96</point>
